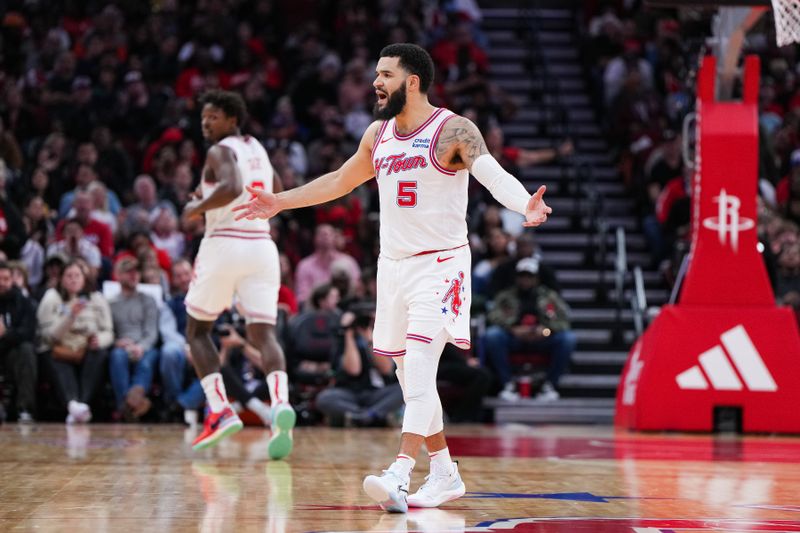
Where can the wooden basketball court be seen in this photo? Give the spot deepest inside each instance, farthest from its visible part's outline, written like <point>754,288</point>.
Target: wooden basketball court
<point>567,479</point>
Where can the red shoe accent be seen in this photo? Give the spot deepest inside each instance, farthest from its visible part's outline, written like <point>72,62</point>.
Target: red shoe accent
<point>216,426</point>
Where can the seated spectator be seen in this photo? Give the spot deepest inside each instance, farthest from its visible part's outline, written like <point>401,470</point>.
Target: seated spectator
<point>530,317</point>
<point>39,184</point>
<point>165,234</point>
<point>19,277</point>
<point>136,326</point>
<point>32,257</point>
<point>463,61</point>
<point>37,220</point>
<point>182,273</point>
<point>312,336</point>
<point>504,274</point>
<point>97,232</point>
<point>340,278</point>
<point>366,391</point>
<point>17,331</point>
<point>139,246</point>
<point>172,363</point>
<point>179,191</point>
<point>73,245</point>
<point>664,184</point>
<point>664,164</point>
<point>153,275</point>
<point>100,207</point>
<point>139,215</point>
<point>85,175</point>
<point>316,269</point>
<point>52,270</point>
<point>75,332</point>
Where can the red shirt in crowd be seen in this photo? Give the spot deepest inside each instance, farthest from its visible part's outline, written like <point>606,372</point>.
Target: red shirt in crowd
<point>96,232</point>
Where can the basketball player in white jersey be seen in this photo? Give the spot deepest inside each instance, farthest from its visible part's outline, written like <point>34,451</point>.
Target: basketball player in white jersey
<point>422,157</point>
<point>236,258</point>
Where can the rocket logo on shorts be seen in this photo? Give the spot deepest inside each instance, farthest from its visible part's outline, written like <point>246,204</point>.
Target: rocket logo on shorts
<point>454,294</point>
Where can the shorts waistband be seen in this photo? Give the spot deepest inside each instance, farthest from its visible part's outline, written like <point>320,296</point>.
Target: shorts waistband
<point>428,252</point>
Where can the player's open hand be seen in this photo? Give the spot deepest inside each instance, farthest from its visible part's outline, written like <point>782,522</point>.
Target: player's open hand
<point>536,211</point>
<point>262,204</point>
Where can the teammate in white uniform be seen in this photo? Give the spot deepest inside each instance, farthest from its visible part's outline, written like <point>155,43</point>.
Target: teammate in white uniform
<point>422,157</point>
<point>236,258</point>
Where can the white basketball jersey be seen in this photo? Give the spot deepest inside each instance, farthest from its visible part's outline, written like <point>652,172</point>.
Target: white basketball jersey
<point>257,172</point>
<point>423,206</point>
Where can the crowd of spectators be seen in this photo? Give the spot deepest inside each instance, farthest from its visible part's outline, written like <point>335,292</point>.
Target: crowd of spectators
<point>100,149</point>
<point>643,62</point>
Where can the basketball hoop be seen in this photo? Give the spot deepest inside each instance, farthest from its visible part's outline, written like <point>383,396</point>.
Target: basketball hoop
<point>787,21</point>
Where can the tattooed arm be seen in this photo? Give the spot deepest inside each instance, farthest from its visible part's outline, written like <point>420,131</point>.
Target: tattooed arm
<point>461,146</point>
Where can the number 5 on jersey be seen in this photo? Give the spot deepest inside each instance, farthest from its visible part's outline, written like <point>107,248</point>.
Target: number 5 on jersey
<point>407,193</point>
<point>256,185</point>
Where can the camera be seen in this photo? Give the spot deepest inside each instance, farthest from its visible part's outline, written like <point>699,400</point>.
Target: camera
<point>222,329</point>
<point>365,314</point>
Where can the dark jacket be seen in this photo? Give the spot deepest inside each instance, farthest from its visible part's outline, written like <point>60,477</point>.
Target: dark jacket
<point>369,378</point>
<point>542,306</point>
<point>19,315</point>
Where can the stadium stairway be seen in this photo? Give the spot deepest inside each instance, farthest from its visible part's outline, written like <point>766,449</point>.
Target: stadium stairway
<point>534,57</point>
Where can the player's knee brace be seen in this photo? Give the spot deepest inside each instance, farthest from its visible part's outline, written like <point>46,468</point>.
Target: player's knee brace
<point>437,424</point>
<point>420,392</point>
<point>401,378</point>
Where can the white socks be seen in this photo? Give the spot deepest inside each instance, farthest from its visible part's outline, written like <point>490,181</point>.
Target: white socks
<point>441,461</point>
<point>215,392</point>
<point>403,465</point>
<point>278,383</point>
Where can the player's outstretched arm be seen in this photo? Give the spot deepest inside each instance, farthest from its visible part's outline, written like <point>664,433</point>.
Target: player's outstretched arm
<point>221,162</point>
<point>327,187</point>
<point>462,145</point>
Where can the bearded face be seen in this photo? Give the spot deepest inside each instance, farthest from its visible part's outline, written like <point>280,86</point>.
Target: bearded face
<point>389,105</point>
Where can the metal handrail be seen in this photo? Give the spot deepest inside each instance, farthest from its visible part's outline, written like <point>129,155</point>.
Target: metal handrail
<point>639,302</point>
<point>676,288</point>
<point>620,275</point>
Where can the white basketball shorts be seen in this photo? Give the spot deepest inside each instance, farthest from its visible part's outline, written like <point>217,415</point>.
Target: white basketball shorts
<point>228,266</point>
<point>420,296</point>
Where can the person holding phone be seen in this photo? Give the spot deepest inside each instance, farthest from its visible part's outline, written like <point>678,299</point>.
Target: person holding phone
<point>75,330</point>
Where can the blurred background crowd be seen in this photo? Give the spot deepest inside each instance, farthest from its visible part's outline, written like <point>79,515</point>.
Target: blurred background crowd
<point>100,149</point>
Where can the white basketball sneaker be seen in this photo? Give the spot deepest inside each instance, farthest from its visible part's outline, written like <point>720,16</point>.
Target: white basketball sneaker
<point>439,488</point>
<point>390,490</point>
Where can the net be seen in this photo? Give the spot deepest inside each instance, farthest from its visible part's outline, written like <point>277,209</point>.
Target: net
<point>787,21</point>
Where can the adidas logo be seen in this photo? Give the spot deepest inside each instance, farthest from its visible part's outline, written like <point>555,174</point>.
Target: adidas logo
<point>716,366</point>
